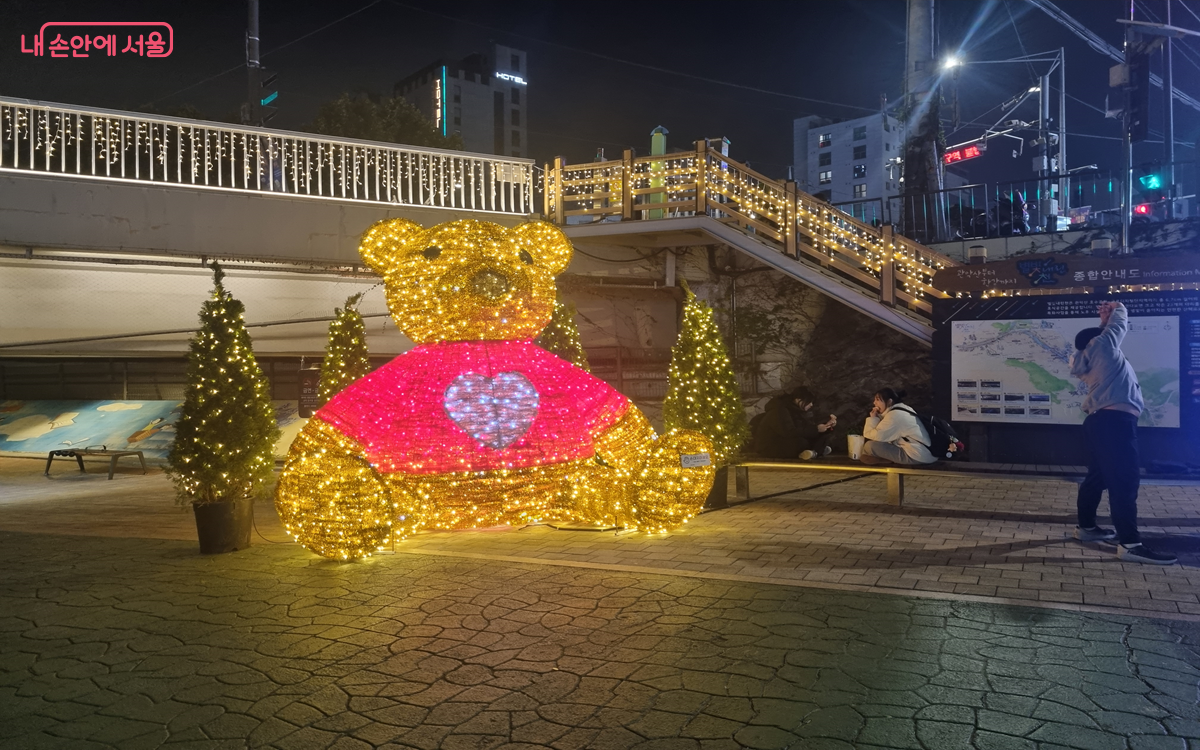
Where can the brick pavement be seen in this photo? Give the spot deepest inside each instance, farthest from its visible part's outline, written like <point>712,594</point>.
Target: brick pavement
<point>115,633</point>
<point>963,538</point>
<point>110,642</point>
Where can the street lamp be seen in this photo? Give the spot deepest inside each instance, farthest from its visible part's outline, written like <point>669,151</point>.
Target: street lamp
<point>1041,89</point>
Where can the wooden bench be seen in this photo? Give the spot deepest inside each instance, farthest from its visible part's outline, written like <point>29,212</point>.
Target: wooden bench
<point>896,474</point>
<point>79,453</point>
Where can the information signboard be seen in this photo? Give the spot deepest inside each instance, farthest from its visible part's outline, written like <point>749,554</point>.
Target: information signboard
<point>1009,358</point>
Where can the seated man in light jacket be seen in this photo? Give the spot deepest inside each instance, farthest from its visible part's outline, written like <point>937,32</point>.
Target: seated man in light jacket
<point>893,432</point>
<point>1113,406</point>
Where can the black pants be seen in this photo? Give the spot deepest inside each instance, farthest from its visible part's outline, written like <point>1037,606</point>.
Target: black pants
<point>1112,443</point>
<point>820,442</point>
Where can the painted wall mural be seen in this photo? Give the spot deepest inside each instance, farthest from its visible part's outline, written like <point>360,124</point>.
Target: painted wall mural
<point>42,426</point>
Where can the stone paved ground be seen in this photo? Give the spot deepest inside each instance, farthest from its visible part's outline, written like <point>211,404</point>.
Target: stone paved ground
<point>993,539</point>
<point>115,633</point>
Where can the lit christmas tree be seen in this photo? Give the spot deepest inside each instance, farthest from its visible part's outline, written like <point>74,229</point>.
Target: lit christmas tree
<point>224,446</point>
<point>702,393</point>
<point>561,336</point>
<point>346,357</point>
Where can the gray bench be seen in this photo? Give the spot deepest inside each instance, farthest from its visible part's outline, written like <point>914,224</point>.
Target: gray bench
<point>896,474</point>
<point>79,453</point>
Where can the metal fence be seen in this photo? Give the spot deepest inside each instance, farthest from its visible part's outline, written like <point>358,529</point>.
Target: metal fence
<point>1022,207</point>
<point>102,144</point>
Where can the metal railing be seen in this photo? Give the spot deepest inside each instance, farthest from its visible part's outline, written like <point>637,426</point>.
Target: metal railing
<point>880,263</point>
<point>873,211</point>
<point>46,138</point>
<point>1021,207</point>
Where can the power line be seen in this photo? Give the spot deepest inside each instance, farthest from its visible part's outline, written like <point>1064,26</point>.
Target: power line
<point>1098,44</point>
<point>239,66</point>
<point>1087,104</point>
<point>1032,73</point>
<point>1184,51</point>
<point>644,66</point>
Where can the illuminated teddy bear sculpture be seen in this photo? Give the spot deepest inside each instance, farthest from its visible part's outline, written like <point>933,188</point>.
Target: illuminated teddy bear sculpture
<point>477,426</point>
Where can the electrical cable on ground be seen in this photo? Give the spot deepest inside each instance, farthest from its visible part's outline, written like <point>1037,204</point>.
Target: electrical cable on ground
<point>254,523</point>
<point>799,489</point>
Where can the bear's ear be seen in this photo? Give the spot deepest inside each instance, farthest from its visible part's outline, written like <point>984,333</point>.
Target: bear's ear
<point>550,246</point>
<point>378,247</point>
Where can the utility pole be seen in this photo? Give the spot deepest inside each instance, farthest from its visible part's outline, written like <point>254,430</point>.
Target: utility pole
<point>1064,183</point>
<point>251,110</point>
<point>1047,207</point>
<point>922,162</point>
<point>1127,142</point>
<point>1168,123</point>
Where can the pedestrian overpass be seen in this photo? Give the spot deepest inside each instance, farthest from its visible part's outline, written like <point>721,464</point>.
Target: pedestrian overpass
<point>91,182</point>
<point>702,197</point>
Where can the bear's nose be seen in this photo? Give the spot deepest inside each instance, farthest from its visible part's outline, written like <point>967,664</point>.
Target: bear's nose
<point>490,284</point>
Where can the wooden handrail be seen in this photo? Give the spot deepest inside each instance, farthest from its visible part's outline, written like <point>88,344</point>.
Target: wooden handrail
<point>703,182</point>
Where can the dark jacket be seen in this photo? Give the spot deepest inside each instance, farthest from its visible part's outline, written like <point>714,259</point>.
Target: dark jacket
<point>784,429</point>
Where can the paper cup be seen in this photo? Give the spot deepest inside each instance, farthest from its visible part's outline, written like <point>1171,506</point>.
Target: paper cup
<point>856,445</point>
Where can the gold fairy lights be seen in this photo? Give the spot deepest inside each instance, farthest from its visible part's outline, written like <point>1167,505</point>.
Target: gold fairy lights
<point>346,357</point>
<point>226,432</point>
<point>477,426</point>
<point>703,394</point>
<point>597,189</point>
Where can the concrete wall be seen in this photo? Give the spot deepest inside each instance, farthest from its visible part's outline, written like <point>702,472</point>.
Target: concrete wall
<point>72,213</point>
<point>45,299</point>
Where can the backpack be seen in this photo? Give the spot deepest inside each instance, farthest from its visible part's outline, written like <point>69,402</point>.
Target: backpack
<point>943,443</point>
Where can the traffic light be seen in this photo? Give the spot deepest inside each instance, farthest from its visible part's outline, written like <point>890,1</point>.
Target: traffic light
<point>269,93</point>
<point>1143,209</point>
<point>1138,93</point>
<point>1150,184</point>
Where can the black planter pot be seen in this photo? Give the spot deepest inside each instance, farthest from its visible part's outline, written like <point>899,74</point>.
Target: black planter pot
<point>225,526</point>
<point>718,496</point>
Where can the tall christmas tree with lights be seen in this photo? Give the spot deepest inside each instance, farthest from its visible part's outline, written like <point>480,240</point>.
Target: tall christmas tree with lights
<point>702,393</point>
<point>346,357</point>
<point>224,448</point>
<point>561,336</point>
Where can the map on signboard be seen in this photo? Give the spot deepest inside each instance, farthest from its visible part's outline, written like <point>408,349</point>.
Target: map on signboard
<point>1019,370</point>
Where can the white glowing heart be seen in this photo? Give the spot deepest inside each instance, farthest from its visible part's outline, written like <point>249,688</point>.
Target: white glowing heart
<point>495,411</point>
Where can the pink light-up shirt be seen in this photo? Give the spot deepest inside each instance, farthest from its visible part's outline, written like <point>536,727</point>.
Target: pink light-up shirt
<point>410,420</point>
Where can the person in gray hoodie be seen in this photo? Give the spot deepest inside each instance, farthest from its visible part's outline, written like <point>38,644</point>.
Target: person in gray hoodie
<point>1113,405</point>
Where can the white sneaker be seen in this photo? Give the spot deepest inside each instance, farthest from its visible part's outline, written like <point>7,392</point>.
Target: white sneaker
<point>827,451</point>
<point>808,455</point>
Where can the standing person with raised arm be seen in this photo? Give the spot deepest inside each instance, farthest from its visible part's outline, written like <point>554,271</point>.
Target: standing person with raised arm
<point>1113,406</point>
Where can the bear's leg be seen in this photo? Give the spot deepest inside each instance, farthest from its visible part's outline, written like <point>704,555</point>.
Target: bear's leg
<point>331,499</point>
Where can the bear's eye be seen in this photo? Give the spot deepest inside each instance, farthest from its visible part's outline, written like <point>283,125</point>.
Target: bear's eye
<point>525,257</point>
<point>432,252</point>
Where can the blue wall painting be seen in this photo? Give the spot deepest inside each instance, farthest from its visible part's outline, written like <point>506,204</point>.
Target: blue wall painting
<point>149,426</point>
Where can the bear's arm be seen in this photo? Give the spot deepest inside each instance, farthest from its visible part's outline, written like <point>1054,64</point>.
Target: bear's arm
<point>626,443</point>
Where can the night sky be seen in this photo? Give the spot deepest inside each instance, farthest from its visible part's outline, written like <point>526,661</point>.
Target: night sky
<point>590,79</point>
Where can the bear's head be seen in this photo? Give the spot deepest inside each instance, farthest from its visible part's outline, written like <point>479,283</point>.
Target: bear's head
<point>467,280</point>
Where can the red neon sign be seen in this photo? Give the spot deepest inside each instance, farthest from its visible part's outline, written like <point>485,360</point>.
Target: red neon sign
<point>961,154</point>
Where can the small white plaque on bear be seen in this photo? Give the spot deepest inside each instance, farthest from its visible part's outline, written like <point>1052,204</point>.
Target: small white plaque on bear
<point>694,460</point>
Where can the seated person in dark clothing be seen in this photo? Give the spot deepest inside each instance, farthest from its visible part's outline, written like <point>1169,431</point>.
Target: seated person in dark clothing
<point>789,429</point>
